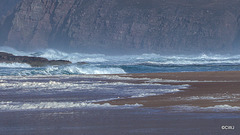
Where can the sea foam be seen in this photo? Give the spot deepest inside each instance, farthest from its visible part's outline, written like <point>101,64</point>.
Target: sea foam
<point>72,70</point>
<point>148,59</point>
<point>216,108</point>
<point>35,106</point>
<point>15,65</point>
<point>104,64</point>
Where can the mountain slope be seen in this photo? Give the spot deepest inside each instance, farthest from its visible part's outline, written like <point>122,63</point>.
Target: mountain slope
<point>6,6</point>
<point>125,26</point>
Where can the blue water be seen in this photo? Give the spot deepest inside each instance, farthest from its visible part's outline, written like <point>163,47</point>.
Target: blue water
<point>103,64</point>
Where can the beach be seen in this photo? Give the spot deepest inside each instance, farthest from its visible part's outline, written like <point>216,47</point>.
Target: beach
<point>121,104</point>
<point>119,67</point>
<point>206,89</point>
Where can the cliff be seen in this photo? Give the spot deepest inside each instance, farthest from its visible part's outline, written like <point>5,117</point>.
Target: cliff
<point>160,26</point>
<point>7,6</point>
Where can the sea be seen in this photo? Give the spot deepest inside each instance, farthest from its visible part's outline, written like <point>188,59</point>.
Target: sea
<point>104,64</point>
<point>65,99</point>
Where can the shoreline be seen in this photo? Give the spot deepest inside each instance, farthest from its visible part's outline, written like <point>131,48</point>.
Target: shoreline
<point>182,91</point>
<point>206,89</point>
<point>50,111</point>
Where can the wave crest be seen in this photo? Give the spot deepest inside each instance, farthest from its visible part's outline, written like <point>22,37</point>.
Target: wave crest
<point>15,65</point>
<point>72,70</point>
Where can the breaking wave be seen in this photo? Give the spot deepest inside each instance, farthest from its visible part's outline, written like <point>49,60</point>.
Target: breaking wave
<point>73,69</point>
<point>52,54</point>
<point>19,106</point>
<point>64,70</point>
<point>104,64</point>
<point>155,59</point>
<point>14,65</point>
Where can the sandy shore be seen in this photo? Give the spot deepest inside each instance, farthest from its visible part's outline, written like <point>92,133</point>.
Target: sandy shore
<point>51,113</point>
<point>207,89</point>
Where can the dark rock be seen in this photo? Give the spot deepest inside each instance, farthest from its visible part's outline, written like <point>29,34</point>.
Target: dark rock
<point>33,61</point>
<point>81,63</point>
<point>161,26</point>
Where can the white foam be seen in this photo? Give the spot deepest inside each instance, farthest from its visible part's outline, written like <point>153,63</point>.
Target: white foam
<point>45,85</point>
<point>215,97</point>
<point>144,95</point>
<point>52,54</point>
<point>91,70</point>
<point>71,69</point>
<point>158,60</point>
<point>203,98</point>
<point>15,65</point>
<point>13,51</point>
<point>49,85</point>
<point>20,106</point>
<point>216,108</point>
<point>151,92</point>
<point>149,59</point>
<point>147,80</point>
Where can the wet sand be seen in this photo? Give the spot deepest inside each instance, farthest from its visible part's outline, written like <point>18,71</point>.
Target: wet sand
<point>207,89</point>
<point>141,121</point>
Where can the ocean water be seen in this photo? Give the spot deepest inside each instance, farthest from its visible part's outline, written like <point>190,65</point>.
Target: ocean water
<point>104,64</point>
<point>65,99</point>
<point>68,104</point>
<point>32,93</point>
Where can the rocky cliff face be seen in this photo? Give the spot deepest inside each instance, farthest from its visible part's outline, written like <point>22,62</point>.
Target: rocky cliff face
<point>125,25</point>
<point>6,6</point>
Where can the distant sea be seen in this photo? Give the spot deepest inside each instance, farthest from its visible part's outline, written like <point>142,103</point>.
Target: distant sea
<point>104,64</point>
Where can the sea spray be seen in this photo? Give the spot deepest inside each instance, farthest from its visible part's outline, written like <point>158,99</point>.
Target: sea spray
<point>104,64</point>
<point>26,70</point>
<point>14,65</point>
